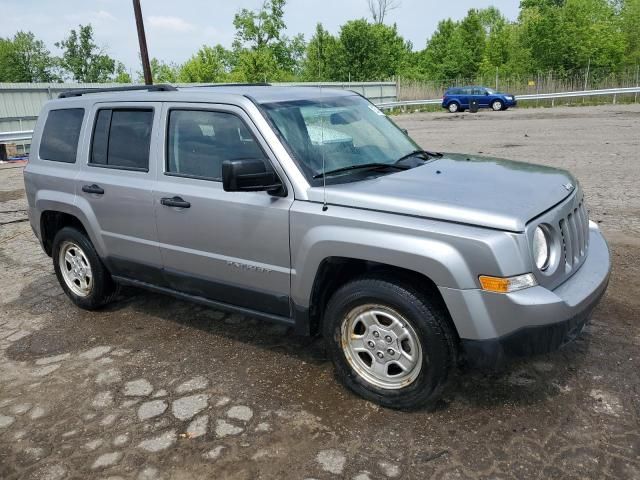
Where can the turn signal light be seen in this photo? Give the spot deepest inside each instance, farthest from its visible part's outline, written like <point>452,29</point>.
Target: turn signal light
<point>507,284</point>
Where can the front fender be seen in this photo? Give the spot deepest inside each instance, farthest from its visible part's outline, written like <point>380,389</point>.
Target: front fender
<point>451,255</point>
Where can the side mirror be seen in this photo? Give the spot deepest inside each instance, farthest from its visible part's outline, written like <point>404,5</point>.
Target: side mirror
<point>486,93</point>
<point>249,175</point>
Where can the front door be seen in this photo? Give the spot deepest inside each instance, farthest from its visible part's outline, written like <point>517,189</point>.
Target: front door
<point>116,182</point>
<point>231,247</point>
<point>482,96</point>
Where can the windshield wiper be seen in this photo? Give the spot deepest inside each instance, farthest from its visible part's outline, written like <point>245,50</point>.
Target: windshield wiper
<point>361,166</point>
<point>415,153</point>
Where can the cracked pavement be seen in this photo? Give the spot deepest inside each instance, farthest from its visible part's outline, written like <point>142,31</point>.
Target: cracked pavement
<point>155,388</point>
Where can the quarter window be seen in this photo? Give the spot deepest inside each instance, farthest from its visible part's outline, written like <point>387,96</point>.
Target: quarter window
<point>122,138</point>
<point>60,135</point>
<point>199,141</point>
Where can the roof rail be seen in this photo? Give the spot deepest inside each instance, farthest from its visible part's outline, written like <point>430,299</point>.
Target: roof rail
<point>257,84</point>
<point>151,88</point>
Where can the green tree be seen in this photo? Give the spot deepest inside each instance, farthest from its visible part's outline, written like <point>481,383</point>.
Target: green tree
<point>257,65</point>
<point>26,59</point>
<point>208,65</point>
<point>258,29</point>
<point>83,59</point>
<point>570,35</point>
<point>289,54</point>
<point>320,60</point>
<point>439,60</point>
<point>261,50</point>
<point>369,51</point>
<point>630,26</point>
<point>161,72</point>
<point>121,75</point>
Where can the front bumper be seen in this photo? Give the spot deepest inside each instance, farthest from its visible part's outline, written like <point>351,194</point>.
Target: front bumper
<point>495,327</point>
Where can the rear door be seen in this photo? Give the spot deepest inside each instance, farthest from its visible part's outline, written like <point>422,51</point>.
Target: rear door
<point>231,247</point>
<point>465,96</point>
<point>116,183</point>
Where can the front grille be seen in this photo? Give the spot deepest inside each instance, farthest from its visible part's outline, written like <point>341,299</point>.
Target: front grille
<point>574,229</point>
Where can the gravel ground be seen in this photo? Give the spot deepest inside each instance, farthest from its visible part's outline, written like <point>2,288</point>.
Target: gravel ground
<point>155,388</point>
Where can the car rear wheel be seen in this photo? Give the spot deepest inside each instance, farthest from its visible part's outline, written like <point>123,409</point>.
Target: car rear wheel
<point>80,271</point>
<point>389,343</point>
<point>453,107</point>
<point>497,105</point>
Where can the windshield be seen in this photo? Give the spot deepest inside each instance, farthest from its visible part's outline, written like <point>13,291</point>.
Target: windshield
<point>346,131</point>
<point>491,91</point>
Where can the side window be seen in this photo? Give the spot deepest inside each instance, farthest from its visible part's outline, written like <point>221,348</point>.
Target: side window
<point>122,138</point>
<point>199,141</point>
<point>60,135</point>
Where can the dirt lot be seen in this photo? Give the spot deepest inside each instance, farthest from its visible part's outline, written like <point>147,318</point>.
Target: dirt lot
<point>156,388</point>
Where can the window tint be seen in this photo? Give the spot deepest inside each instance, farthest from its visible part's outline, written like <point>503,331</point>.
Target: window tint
<point>60,135</point>
<point>122,138</point>
<point>200,141</point>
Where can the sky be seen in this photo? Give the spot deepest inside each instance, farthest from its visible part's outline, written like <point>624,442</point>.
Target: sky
<point>176,29</point>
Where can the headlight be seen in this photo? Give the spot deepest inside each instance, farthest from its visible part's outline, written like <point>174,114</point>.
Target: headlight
<point>541,253</point>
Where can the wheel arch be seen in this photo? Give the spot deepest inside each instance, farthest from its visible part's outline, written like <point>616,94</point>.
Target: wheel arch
<point>334,272</point>
<point>55,215</point>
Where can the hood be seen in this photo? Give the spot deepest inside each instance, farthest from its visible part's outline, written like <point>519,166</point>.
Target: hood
<point>487,192</point>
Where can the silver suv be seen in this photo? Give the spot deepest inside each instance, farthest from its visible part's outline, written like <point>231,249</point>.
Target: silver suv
<point>311,208</point>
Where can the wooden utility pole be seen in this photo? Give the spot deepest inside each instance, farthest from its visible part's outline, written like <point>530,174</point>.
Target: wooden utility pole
<point>142,39</point>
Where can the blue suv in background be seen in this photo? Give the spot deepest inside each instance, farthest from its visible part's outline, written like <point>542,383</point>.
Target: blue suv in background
<point>458,99</point>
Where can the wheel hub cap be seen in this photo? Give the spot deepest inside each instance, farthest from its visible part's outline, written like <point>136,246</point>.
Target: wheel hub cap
<point>381,346</point>
<point>75,269</point>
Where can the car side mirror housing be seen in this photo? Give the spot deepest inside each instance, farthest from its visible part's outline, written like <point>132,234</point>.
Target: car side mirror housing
<point>486,93</point>
<point>250,175</point>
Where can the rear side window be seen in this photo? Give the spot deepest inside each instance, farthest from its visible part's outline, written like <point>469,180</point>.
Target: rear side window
<point>199,141</point>
<point>122,138</point>
<point>60,136</point>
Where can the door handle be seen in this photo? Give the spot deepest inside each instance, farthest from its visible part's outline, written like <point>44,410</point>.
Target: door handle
<point>93,189</point>
<point>174,202</point>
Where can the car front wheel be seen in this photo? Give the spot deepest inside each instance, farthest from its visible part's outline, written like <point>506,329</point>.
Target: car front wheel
<point>497,105</point>
<point>389,343</point>
<point>80,271</point>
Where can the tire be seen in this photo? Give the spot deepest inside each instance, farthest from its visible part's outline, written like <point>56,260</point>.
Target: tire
<point>80,272</point>
<point>453,107</point>
<point>497,105</point>
<point>432,347</point>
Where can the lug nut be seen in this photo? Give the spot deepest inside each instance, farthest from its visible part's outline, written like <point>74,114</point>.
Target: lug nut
<point>371,344</point>
<point>376,334</point>
<point>388,338</point>
<point>380,355</point>
<point>391,351</point>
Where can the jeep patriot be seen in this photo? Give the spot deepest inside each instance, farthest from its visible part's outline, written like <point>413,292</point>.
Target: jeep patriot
<point>310,207</point>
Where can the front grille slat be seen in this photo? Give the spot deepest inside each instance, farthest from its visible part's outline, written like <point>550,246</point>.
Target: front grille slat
<point>566,240</point>
<point>574,229</point>
<point>575,247</point>
<point>585,215</point>
<point>579,230</point>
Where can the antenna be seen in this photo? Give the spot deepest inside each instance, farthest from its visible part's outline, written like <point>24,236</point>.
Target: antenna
<point>324,176</point>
